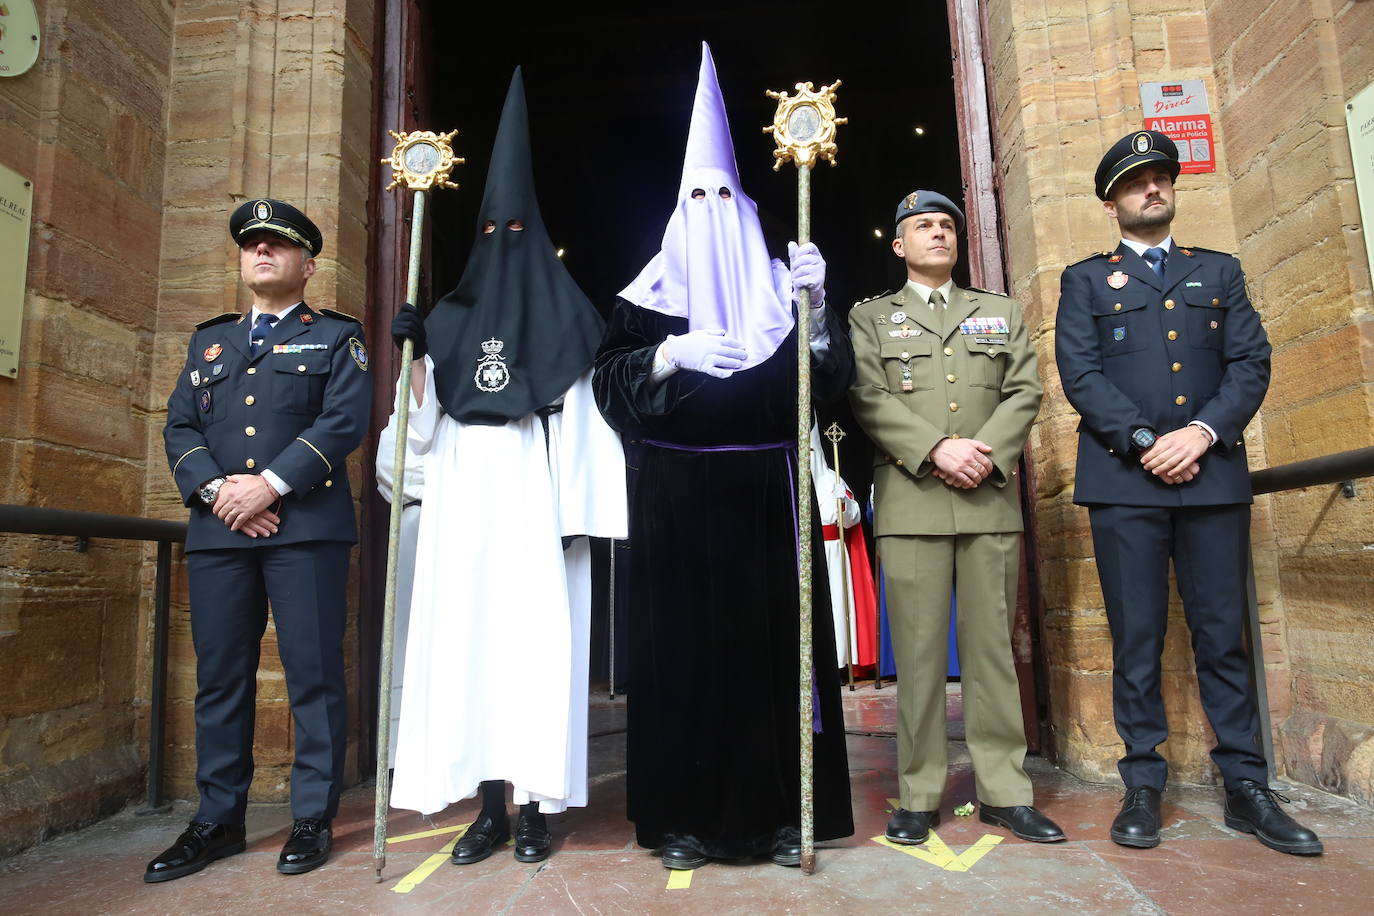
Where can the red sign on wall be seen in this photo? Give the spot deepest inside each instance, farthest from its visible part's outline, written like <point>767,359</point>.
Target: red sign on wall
<point>1179,110</point>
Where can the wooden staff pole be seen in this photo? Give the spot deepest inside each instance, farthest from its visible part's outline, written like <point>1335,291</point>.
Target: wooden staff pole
<point>421,161</point>
<point>804,128</point>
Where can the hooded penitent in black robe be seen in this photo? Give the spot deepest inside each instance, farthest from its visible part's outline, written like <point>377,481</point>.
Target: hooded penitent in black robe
<point>713,743</point>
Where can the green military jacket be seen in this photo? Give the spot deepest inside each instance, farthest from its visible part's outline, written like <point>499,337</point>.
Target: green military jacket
<point>922,377</point>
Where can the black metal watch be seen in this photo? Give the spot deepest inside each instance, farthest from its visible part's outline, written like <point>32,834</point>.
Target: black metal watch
<point>209,490</point>
<point>1143,438</point>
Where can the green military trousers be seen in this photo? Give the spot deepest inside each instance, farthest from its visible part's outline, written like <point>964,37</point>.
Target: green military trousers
<point>920,571</point>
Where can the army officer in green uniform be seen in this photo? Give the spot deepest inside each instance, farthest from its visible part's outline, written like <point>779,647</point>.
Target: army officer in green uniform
<point>947,389</point>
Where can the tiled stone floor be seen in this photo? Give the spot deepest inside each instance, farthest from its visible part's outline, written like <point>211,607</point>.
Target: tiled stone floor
<point>1201,867</point>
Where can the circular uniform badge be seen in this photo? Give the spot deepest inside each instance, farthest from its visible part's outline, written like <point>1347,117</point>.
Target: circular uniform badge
<point>358,352</point>
<point>262,211</point>
<point>1141,143</point>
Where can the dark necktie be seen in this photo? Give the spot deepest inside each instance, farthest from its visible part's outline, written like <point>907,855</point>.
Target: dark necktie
<point>261,328</point>
<point>1155,258</point>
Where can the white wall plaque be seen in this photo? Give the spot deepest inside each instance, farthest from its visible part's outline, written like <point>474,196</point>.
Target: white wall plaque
<point>16,209</point>
<point>18,36</point>
<point>1359,124</point>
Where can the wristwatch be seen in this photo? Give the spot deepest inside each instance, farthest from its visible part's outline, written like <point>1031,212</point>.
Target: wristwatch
<point>1143,438</point>
<point>209,490</point>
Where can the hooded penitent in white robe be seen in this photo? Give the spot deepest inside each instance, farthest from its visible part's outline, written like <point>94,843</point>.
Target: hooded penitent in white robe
<point>496,661</point>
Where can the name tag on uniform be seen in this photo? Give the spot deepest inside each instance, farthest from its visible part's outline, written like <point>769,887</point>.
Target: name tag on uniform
<point>995,341</point>
<point>298,348</point>
<point>983,326</point>
<point>1193,283</point>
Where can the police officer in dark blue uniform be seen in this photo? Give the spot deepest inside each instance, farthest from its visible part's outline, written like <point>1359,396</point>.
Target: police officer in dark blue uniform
<point>264,414</point>
<point>1161,352</point>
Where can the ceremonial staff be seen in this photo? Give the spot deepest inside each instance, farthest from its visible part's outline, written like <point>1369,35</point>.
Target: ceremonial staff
<point>804,128</point>
<point>834,433</point>
<point>422,161</point>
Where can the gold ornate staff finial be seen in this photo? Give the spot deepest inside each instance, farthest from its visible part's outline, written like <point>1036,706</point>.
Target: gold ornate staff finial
<point>422,160</point>
<point>834,433</point>
<point>804,125</point>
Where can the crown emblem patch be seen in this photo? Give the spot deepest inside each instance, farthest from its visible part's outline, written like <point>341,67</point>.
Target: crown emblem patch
<point>492,373</point>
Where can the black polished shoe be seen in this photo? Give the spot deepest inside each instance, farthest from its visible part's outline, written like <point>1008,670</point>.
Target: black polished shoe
<point>532,840</point>
<point>1022,820</point>
<point>1138,822</point>
<point>682,854</point>
<point>479,840</point>
<point>307,847</point>
<point>787,847</point>
<point>910,828</point>
<point>199,844</point>
<point>1253,808</point>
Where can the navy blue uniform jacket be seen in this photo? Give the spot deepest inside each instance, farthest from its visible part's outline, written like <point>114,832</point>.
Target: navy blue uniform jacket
<point>1160,352</point>
<point>299,408</point>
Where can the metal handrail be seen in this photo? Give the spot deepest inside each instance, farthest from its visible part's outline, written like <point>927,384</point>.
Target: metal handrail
<point>85,525</point>
<point>1340,468</point>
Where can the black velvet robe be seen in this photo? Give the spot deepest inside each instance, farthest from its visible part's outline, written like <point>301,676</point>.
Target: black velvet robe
<point>713,744</point>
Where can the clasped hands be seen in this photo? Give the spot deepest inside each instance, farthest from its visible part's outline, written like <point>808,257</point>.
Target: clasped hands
<point>962,463</point>
<point>242,504</point>
<point>1174,456</point>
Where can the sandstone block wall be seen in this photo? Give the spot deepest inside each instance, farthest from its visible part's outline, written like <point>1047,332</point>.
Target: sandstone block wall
<point>87,125</point>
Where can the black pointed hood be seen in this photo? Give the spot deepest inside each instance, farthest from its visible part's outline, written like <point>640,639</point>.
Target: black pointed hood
<point>517,331</point>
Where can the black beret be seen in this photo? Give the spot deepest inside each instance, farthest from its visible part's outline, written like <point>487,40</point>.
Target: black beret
<point>929,202</point>
<point>1139,148</point>
<point>266,214</point>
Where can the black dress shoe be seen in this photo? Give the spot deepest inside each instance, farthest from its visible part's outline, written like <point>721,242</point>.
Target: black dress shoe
<point>911,828</point>
<point>532,840</point>
<point>199,844</point>
<point>479,840</point>
<point>787,847</point>
<point>1138,822</point>
<point>1024,821</point>
<point>307,847</point>
<point>682,854</point>
<point>1253,808</point>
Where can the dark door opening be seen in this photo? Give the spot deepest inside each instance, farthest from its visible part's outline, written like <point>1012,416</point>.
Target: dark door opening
<point>610,97</point>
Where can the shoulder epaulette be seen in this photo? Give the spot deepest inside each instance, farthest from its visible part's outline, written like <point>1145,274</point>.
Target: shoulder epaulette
<point>1189,249</point>
<point>219,319</point>
<point>871,298</point>
<point>341,316</point>
<point>1095,254</point>
<point>977,289</point>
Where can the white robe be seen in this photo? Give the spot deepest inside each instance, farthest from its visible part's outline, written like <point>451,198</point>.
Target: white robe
<point>496,663</point>
<point>412,490</point>
<point>830,488</point>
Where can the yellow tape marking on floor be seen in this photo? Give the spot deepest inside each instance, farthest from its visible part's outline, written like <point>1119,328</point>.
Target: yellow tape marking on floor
<point>679,880</point>
<point>940,855</point>
<point>425,868</point>
<point>424,833</point>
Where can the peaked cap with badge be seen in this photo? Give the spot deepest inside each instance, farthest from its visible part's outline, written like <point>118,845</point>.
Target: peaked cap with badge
<point>267,215</point>
<point>1133,150</point>
<point>517,331</point>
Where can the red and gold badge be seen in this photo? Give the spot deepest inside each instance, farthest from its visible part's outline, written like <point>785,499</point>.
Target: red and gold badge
<point>307,318</point>
<point>212,352</point>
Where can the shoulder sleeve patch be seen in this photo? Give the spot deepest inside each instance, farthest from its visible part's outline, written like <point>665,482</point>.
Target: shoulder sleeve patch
<point>219,319</point>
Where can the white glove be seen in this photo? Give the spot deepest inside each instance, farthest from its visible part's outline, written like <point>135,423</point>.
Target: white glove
<point>708,351</point>
<point>808,272</point>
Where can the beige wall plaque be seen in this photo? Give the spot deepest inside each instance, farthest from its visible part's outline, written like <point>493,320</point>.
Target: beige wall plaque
<point>16,209</point>
<point>1359,124</point>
